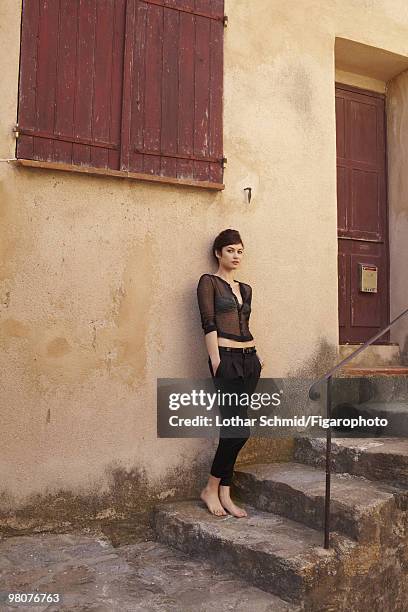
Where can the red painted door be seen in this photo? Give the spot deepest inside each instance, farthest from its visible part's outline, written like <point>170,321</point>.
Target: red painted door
<point>362,212</point>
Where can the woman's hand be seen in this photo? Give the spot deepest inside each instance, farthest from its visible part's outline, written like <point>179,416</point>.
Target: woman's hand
<point>213,350</point>
<point>215,365</point>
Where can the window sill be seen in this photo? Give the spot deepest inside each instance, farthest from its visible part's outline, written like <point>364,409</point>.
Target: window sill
<point>120,174</point>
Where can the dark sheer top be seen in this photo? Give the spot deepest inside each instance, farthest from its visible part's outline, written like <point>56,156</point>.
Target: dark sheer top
<point>220,310</point>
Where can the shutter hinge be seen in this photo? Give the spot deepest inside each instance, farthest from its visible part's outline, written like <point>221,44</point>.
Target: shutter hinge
<point>225,20</point>
<point>16,131</point>
<point>223,162</point>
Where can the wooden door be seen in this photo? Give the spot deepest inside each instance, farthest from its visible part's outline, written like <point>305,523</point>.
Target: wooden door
<point>362,212</point>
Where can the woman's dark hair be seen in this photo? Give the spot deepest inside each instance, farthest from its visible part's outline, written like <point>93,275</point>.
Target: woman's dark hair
<point>228,236</point>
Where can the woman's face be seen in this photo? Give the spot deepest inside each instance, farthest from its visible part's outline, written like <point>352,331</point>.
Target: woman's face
<point>231,256</point>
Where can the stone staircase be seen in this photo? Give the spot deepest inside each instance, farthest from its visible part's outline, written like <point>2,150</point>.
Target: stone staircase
<point>279,546</point>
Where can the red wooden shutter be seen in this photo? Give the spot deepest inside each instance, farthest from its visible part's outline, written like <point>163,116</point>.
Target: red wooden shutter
<point>71,74</point>
<point>172,109</point>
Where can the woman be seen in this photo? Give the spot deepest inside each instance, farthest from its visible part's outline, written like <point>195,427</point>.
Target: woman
<point>225,307</point>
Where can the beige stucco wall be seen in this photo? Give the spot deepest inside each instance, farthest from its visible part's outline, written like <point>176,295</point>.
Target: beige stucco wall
<point>397,109</point>
<point>98,275</point>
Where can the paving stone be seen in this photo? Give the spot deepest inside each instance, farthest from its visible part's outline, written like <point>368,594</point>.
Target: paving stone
<point>92,575</point>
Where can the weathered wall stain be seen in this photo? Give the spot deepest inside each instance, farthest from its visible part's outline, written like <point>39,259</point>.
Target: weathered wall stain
<point>129,491</point>
<point>131,313</point>
<point>323,357</point>
<point>10,228</point>
<point>14,329</point>
<point>263,450</point>
<point>58,347</point>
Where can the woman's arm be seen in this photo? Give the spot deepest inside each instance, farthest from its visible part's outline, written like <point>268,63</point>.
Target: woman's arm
<point>205,295</point>
<point>211,343</point>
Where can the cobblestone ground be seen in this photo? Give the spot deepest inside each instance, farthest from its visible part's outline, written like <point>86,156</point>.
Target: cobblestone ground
<point>119,567</point>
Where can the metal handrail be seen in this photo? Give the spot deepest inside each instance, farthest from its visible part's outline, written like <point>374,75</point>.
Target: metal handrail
<point>314,394</point>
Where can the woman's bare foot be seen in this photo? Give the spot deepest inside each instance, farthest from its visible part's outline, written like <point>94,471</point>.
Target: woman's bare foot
<point>228,504</point>
<point>211,499</point>
<point>209,495</point>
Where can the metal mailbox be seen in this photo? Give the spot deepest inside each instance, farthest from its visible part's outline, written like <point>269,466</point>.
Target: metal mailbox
<point>368,278</point>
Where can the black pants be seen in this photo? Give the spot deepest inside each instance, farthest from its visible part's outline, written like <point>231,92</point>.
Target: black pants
<point>239,371</point>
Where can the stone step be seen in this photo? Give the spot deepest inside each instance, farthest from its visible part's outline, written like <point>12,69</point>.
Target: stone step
<point>373,355</point>
<point>384,459</point>
<point>396,414</point>
<point>376,384</point>
<point>272,552</point>
<point>392,370</point>
<point>358,385</point>
<point>361,509</point>
<point>393,413</point>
